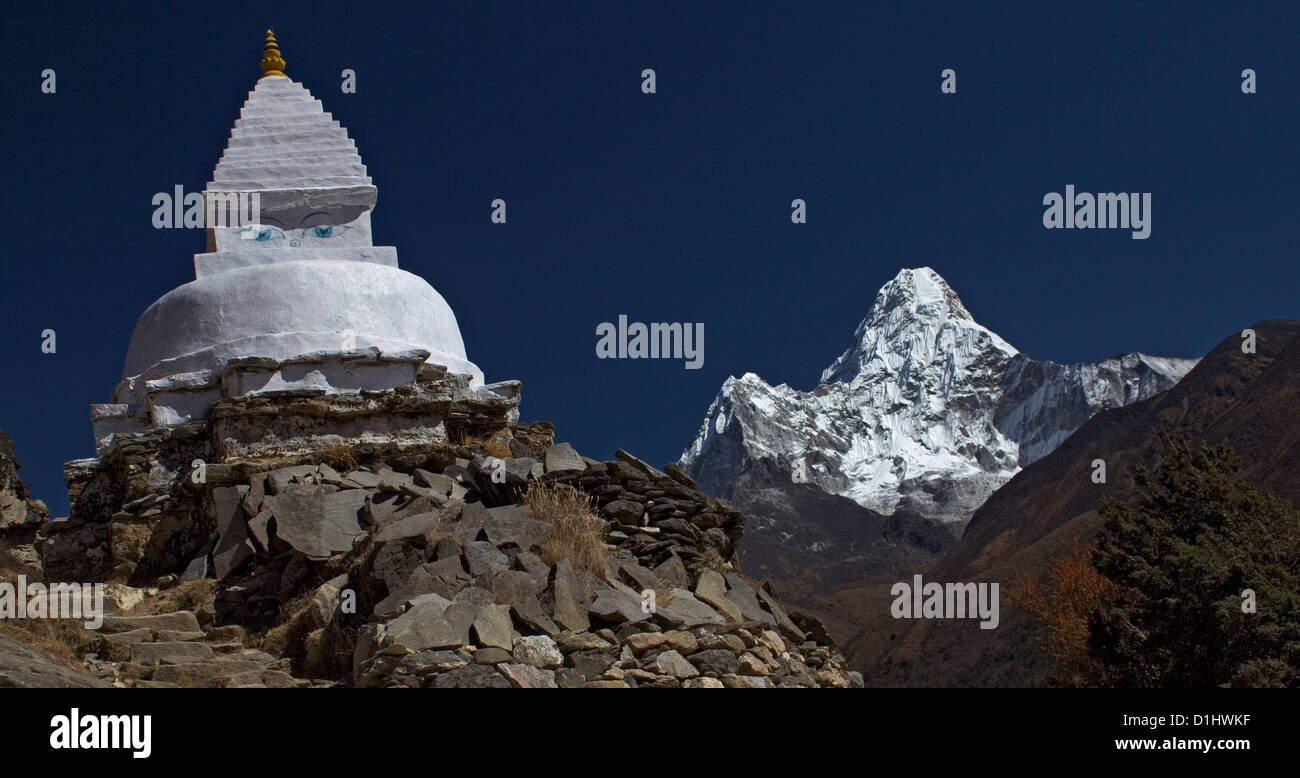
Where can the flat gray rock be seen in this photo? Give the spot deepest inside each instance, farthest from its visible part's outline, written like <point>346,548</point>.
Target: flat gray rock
<point>738,592</point>
<point>24,667</point>
<point>784,623</point>
<point>514,524</point>
<point>530,614</point>
<point>361,479</point>
<point>318,526</point>
<point>484,558</point>
<point>511,586</point>
<point>672,663</point>
<point>615,606</point>
<point>429,624</point>
<point>416,526</point>
<point>562,458</point>
<point>674,572</point>
<point>443,484</point>
<point>493,628</point>
<point>233,545</point>
<point>395,562</point>
<point>683,611</point>
<point>523,676</point>
<point>533,565</point>
<point>170,653</point>
<point>180,621</point>
<point>570,609</point>
<point>278,480</point>
<point>712,588</point>
<point>259,527</point>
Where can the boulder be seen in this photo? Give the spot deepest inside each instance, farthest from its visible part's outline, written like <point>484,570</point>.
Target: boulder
<point>318,526</point>
<point>537,650</point>
<point>432,623</point>
<point>233,544</point>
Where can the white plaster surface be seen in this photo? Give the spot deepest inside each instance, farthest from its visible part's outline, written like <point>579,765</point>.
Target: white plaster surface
<point>327,377</point>
<point>287,309</point>
<point>221,261</point>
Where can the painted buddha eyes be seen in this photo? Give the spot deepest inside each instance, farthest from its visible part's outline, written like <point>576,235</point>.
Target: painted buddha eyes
<point>266,233</point>
<point>325,231</point>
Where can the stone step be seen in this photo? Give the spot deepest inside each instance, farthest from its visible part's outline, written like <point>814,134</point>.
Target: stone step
<point>130,637</point>
<point>265,679</point>
<point>171,653</point>
<point>203,673</point>
<point>176,636</point>
<point>179,621</point>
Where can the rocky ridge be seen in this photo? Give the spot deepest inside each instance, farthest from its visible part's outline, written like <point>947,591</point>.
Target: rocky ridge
<point>398,565</point>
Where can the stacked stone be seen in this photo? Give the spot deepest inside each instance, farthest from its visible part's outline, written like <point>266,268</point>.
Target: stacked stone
<point>21,517</point>
<point>17,508</point>
<point>140,510</point>
<point>658,515</point>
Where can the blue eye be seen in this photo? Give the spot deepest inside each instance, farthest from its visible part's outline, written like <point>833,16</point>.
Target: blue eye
<point>264,234</point>
<point>325,231</point>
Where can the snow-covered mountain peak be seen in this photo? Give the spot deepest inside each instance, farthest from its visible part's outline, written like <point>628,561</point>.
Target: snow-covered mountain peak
<point>916,320</point>
<point>926,409</point>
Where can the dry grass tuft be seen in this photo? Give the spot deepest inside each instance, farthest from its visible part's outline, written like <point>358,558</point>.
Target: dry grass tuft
<point>65,639</point>
<point>338,456</point>
<point>577,534</point>
<point>186,596</point>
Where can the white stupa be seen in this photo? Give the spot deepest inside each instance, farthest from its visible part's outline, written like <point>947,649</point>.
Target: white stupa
<point>304,284</point>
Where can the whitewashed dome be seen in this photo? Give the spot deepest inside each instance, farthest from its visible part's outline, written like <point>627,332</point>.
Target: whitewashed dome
<point>288,309</point>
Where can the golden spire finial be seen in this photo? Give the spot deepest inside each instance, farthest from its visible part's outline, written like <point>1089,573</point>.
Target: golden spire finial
<point>272,63</point>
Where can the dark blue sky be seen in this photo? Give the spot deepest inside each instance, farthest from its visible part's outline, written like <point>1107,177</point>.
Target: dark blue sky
<point>674,206</point>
